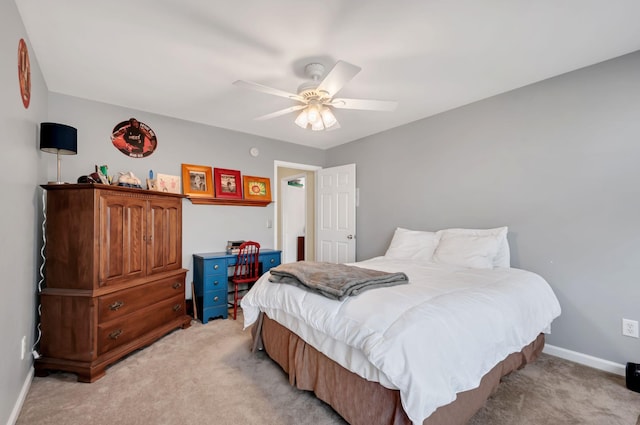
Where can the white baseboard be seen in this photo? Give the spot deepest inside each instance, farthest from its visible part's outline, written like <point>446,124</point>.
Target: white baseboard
<point>585,359</point>
<point>23,395</point>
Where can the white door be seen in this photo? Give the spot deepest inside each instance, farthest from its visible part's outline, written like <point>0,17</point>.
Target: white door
<point>336,214</point>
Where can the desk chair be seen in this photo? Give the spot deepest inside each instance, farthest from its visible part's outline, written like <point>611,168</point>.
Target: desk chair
<point>246,270</point>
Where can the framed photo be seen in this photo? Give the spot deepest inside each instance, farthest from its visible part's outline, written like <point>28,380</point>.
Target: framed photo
<point>227,183</point>
<point>197,181</point>
<point>134,138</point>
<point>256,188</point>
<point>167,183</point>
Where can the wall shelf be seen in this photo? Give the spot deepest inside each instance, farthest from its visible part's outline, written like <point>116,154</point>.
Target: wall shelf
<point>237,202</point>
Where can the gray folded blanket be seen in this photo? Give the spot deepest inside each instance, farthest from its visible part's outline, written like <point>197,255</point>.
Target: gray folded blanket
<point>336,281</point>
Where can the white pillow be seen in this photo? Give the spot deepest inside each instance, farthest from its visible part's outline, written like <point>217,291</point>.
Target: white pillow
<point>479,243</point>
<point>412,244</point>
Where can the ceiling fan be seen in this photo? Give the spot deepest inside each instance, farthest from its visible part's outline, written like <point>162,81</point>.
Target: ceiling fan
<point>317,99</point>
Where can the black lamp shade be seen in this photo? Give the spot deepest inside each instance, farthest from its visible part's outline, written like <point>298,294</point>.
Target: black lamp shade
<point>58,138</point>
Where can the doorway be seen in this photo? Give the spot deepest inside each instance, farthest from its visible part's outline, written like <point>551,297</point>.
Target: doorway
<point>295,209</point>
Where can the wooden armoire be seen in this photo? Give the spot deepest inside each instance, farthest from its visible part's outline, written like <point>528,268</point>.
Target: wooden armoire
<point>114,280</point>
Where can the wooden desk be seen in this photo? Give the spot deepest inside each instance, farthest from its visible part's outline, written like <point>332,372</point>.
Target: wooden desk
<point>210,279</point>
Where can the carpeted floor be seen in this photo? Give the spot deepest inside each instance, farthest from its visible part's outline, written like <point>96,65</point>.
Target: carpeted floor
<point>207,375</point>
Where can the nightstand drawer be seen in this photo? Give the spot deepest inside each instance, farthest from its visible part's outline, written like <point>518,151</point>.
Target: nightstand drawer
<point>214,299</point>
<point>215,283</point>
<point>215,266</point>
<point>269,261</point>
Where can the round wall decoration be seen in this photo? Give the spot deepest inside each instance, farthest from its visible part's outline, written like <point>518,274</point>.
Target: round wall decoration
<point>134,138</point>
<point>24,73</point>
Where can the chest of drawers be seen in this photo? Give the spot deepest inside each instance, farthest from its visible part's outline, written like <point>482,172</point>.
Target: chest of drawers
<point>114,280</point>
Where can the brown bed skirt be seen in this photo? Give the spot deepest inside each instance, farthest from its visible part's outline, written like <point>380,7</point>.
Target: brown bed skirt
<point>362,402</point>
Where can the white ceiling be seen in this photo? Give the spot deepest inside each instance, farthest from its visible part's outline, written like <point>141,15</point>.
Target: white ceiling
<point>180,57</point>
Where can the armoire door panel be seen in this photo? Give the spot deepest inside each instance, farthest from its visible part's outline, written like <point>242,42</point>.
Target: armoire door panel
<point>122,233</point>
<point>165,240</point>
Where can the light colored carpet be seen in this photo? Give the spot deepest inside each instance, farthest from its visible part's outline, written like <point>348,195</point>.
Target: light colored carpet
<point>206,374</point>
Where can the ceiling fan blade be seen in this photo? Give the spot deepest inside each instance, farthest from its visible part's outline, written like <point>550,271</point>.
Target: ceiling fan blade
<point>364,104</point>
<point>339,75</point>
<point>269,90</point>
<point>281,112</point>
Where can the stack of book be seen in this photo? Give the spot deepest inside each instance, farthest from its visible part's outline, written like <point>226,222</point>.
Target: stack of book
<point>233,247</point>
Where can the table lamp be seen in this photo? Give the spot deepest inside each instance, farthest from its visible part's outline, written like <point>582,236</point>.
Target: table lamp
<point>59,139</point>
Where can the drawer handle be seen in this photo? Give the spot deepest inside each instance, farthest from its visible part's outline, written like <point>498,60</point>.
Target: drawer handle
<point>215,267</point>
<point>273,260</point>
<point>215,282</point>
<point>177,285</point>
<point>177,307</point>
<point>115,334</point>
<point>216,298</point>
<point>116,305</point>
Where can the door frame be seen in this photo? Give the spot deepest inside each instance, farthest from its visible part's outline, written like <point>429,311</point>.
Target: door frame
<point>276,188</point>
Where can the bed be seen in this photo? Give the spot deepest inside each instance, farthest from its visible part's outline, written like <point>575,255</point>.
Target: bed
<point>427,352</point>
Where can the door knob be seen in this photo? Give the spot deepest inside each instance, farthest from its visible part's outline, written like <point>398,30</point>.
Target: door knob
<point>349,236</point>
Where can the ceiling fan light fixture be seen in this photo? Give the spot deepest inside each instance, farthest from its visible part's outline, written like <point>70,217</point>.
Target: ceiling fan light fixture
<point>324,118</point>
<point>328,118</point>
<point>303,119</point>
<point>317,126</point>
<point>313,114</point>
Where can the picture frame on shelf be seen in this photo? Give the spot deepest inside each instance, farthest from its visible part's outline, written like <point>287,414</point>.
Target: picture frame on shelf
<point>197,181</point>
<point>257,188</point>
<point>168,183</point>
<point>227,183</point>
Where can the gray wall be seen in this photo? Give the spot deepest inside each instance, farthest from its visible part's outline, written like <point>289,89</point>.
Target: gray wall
<point>21,172</point>
<point>558,162</point>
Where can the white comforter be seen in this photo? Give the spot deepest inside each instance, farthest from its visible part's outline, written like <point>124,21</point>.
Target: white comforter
<point>430,339</point>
